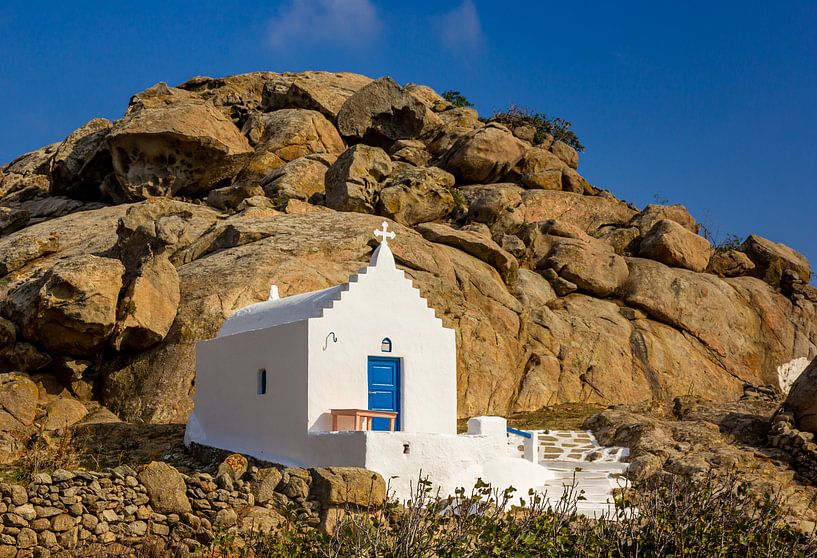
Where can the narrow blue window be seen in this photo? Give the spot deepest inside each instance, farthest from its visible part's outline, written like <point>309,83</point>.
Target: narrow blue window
<point>262,381</point>
<point>385,345</point>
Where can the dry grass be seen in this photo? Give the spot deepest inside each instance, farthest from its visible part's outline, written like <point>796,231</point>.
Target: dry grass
<point>566,416</point>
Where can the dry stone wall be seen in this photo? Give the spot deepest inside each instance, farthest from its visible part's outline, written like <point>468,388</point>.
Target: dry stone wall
<point>799,445</point>
<point>69,510</point>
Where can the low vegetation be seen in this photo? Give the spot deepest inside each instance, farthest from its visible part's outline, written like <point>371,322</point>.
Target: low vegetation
<point>708,518</point>
<point>544,125</point>
<point>456,98</point>
<point>514,116</point>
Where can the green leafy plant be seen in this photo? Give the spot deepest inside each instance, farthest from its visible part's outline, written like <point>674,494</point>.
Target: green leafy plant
<point>456,98</point>
<point>545,126</point>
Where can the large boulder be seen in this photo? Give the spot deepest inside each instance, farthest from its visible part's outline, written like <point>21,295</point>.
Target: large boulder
<point>298,179</point>
<point>506,207</point>
<point>344,486</point>
<point>74,310</point>
<point>673,245</point>
<point>148,306</point>
<point>417,195</point>
<point>495,205</point>
<point>475,244</point>
<point>539,169</point>
<point>18,398</point>
<point>159,226</point>
<point>82,161</point>
<point>325,92</point>
<point>428,97</point>
<point>170,144</point>
<point>802,399</point>
<point>773,259</point>
<point>590,264</point>
<point>292,133</point>
<point>653,213</point>
<point>410,151</point>
<point>484,155</point>
<point>382,112</point>
<point>730,263</point>
<point>565,153</point>
<point>355,179</point>
<point>62,413</point>
<point>165,487</point>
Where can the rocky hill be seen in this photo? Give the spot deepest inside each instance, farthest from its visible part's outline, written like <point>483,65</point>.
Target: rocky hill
<point>129,241</point>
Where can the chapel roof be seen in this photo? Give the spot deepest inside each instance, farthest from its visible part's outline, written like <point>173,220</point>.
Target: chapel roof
<point>278,311</point>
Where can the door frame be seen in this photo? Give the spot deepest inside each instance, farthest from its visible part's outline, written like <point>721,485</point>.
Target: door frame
<point>398,385</point>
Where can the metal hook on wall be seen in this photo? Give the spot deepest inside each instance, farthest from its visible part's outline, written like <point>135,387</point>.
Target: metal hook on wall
<point>326,341</point>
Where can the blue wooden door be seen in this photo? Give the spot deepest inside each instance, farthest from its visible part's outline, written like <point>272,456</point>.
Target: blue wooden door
<point>384,389</point>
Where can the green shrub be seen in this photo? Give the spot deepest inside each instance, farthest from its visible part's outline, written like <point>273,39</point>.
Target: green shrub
<point>456,98</point>
<point>544,126</point>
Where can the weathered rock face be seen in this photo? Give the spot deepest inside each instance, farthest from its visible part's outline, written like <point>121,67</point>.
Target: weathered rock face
<point>382,112</point>
<point>802,399</point>
<point>324,92</point>
<point>694,437</point>
<point>82,161</point>
<point>670,243</point>
<point>478,245</point>
<point>772,259</point>
<point>484,155</point>
<point>236,96</point>
<point>292,133</point>
<point>417,195</point>
<point>354,181</point>
<point>174,144</point>
<point>728,326</point>
<point>535,274</point>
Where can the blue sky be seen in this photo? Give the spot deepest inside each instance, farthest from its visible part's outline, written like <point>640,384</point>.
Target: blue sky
<point>709,104</point>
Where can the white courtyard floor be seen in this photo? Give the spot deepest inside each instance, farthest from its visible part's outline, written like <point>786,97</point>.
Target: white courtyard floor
<point>582,466</point>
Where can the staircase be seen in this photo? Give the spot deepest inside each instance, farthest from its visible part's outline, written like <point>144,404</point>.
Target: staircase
<point>583,468</point>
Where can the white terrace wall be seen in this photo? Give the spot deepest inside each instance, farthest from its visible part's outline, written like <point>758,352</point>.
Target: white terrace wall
<point>382,302</point>
<point>230,414</point>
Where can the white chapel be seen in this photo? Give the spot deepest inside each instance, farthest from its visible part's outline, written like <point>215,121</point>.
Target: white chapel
<point>361,374</point>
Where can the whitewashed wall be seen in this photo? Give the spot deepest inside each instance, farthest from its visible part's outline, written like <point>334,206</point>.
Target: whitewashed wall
<point>228,411</point>
<point>383,303</point>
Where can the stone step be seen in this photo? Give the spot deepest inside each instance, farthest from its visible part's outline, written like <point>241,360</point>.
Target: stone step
<point>607,466</point>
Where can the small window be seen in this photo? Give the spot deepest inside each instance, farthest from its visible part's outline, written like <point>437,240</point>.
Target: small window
<point>262,381</point>
<point>385,345</point>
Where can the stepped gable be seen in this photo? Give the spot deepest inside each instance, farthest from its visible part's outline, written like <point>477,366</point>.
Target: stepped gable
<point>278,311</point>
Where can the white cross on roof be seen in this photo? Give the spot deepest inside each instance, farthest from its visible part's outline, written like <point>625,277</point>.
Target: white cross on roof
<point>385,234</point>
